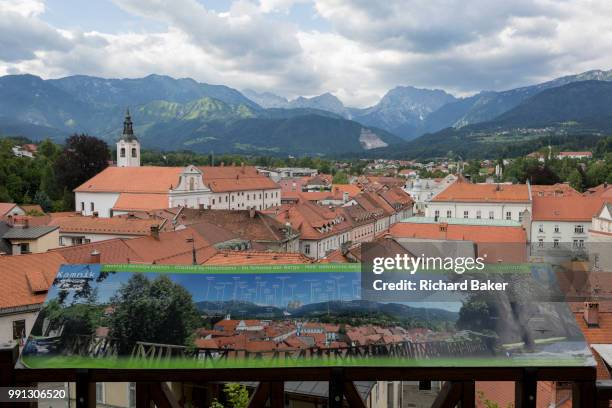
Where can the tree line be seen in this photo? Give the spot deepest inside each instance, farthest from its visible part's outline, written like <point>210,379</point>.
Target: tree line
<point>49,178</point>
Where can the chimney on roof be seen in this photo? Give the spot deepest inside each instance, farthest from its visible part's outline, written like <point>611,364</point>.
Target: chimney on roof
<point>443,228</point>
<point>94,257</point>
<point>21,222</point>
<point>155,231</point>
<point>591,314</point>
<point>344,248</point>
<point>252,212</point>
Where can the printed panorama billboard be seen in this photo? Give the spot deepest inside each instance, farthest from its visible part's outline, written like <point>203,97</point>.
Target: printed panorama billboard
<point>156,316</point>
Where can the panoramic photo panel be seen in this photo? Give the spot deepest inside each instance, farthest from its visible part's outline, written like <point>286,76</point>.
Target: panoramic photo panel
<point>148,316</point>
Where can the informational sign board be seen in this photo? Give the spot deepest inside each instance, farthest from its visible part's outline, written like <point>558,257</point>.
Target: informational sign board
<point>161,316</point>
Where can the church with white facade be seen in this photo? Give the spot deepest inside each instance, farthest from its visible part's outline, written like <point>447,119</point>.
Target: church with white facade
<point>129,187</point>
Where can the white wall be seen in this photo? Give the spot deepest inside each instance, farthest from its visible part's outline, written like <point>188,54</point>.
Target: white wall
<point>128,160</point>
<point>103,203</point>
<point>66,237</point>
<point>242,200</point>
<point>6,324</point>
<point>458,209</point>
<point>363,233</point>
<point>564,232</point>
<point>190,199</point>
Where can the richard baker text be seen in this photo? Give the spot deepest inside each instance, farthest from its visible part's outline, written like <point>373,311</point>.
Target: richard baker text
<point>439,285</point>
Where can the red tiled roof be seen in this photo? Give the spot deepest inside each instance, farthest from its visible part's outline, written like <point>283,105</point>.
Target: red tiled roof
<point>597,335</point>
<point>479,193</point>
<point>158,180</point>
<point>602,191</point>
<point>225,178</point>
<point>235,223</point>
<point>351,189</point>
<point>113,225</point>
<point>566,208</point>
<point>307,217</point>
<point>145,179</point>
<point>24,278</point>
<point>206,343</point>
<point>476,233</point>
<point>5,208</point>
<point>167,245</point>
<point>111,251</point>
<point>575,154</point>
<point>257,258</point>
<point>141,202</point>
<point>559,189</point>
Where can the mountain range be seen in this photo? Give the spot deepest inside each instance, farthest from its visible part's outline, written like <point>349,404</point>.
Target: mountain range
<point>176,114</point>
<point>354,308</point>
<point>183,114</point>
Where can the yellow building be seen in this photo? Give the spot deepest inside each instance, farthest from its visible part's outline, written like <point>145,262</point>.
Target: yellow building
<point>32,240</point>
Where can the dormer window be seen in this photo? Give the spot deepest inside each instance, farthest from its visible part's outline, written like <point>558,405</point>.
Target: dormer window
<point>122,152</point>
<point>134,152</point>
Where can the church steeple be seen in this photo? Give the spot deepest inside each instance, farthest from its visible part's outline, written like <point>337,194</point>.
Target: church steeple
<point>128,131</point>
<point>128,147</point>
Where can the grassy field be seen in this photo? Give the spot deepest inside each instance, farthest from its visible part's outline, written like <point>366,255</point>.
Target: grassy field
<point>180,363</point>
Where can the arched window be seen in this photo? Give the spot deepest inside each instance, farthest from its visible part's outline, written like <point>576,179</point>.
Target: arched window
<point>123,152</point>
<point>133,152</point>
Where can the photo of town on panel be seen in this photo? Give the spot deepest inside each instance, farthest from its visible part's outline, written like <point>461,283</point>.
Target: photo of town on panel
<point>213,318</point>
<point>225,187</point>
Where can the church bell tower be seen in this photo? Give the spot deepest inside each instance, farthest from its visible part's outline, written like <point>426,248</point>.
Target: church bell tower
<point>128,147</point>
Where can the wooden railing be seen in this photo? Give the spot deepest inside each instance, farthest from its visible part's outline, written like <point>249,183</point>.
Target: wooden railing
<point>458,389</point>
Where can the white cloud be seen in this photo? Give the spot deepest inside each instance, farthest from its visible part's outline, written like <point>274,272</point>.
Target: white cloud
<point>279,6</point>
<point>25,8</point>
<point>22,34</point>
<point>461,46</point>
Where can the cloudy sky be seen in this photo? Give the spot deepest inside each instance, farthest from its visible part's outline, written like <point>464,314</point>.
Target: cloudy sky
<point>356,49</point>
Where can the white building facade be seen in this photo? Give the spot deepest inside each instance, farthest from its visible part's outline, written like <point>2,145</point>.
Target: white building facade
<point>482,201</point>
<point>130,187</point>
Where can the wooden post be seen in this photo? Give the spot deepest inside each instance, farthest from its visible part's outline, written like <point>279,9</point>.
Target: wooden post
<point>336,388</point>
<point>8,358</point>
<point>468,394</point>
<point>604,393</point>
<point>143,395</point>
<point>162,396</point>
<point>260,395</point>
<point>449,396</point>
<point>352,395</point>
<point>85,390</point>
<point>525,390</point>
<point>277,394</point>
<point>583,394</point>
